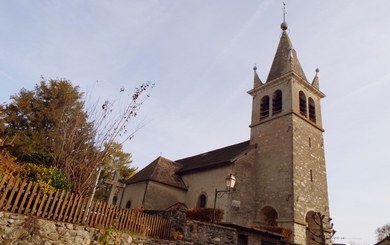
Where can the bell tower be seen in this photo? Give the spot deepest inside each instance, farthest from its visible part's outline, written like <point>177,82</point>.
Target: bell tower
<point>289,161</point>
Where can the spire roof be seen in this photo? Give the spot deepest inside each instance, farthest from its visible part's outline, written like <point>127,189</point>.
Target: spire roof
<point>256,80</point>
<point>316,80</point>
<point>285,60</point>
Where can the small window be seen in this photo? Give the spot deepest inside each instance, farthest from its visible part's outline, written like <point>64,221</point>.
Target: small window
<point>311,175</point>
<point>202,201</point>
<point>264,107</point>
<point>277,102</point>
<point>312,110</point>
<point>128,204</point>
<point>309,142</point>
<point>114,200</point>
<point>302,103</point>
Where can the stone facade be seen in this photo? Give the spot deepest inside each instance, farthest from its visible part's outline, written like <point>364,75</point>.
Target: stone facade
<point>145,194</point>
<point>205,182</point>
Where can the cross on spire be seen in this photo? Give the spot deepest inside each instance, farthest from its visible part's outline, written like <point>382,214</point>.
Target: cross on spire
<point>284,23</point>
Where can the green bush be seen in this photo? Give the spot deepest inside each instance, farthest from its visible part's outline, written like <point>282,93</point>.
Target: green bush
<point>46,177</point>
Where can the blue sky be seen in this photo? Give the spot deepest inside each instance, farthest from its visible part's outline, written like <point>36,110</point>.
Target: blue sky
<point>200,54</point>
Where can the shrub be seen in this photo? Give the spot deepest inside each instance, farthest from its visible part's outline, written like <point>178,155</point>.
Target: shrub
<point>48,178</point>
<point>205,214</point>
<point>8,163</point>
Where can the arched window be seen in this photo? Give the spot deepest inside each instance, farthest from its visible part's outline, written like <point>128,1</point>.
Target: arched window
<point>264,107</point>
<point>128,204</point>
<point>312,110</point>
<point>269,216</point>
<point>277,102</point>
<point>302,103</point>
<point>202,201</point>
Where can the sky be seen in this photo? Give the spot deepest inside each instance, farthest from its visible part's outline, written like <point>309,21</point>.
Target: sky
<point>200,55</point>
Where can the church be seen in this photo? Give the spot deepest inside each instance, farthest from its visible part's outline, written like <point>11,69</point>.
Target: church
<point>279,172</point>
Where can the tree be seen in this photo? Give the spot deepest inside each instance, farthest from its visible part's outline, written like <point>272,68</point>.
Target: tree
<point>34,117</point>
<point>323,231</point>
<point>51,125</point>
<point>115,161</point>
<point>383,232</point>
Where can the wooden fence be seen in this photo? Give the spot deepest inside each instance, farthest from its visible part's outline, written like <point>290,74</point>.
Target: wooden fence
<point>27,198</point>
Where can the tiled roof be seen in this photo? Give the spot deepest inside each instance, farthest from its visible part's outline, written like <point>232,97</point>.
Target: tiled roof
<point>160,170</point>
<point>168,172</point>
<point>213,158</point>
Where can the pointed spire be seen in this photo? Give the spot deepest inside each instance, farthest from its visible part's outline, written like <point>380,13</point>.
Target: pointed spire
<point>256,81</point>
<point>316,80</point>
<point>285,60</point>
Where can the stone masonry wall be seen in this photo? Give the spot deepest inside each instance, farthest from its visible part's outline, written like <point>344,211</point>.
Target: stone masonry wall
<point>195,232</point>
<point>205,233</point>
<point>25,230</point>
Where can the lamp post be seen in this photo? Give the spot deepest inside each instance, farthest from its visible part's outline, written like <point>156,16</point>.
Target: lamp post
<point>230,181</point>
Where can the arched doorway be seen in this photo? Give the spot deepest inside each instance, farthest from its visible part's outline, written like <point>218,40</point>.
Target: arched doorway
<point>268,216</point>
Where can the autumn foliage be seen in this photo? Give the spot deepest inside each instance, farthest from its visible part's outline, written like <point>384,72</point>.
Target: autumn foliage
<point>52,125</point>
<point>48,178</point>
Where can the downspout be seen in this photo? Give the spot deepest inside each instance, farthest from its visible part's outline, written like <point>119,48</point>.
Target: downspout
<point>146,189</point>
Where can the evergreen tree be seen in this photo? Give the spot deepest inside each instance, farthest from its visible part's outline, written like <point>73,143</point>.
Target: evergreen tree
<point>50,125</point>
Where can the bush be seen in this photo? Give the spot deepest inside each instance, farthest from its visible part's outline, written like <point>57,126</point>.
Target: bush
<point>45,176</point>
<point>8,163</point>
<point>48,178</point>
<point>205,214</point>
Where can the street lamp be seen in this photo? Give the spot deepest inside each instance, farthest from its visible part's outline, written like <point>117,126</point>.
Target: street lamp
<point>230,181</point>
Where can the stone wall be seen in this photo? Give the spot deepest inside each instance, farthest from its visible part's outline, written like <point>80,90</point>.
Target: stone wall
<point>20,229</point>
<point>206,233</point>
<point>196,232</point>
<point>26,230</point>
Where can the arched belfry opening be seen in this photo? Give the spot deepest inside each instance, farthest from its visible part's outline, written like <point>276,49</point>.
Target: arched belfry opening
<point>268,216</point>
<point>277,102</point>
<point>302,103</point>
<point>312,110</point>
<point>264,107</point>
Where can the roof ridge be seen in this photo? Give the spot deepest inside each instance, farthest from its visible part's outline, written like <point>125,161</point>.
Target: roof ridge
<point>203,153</point>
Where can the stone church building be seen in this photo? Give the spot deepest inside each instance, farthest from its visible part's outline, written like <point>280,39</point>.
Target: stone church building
<point>280,171</point>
